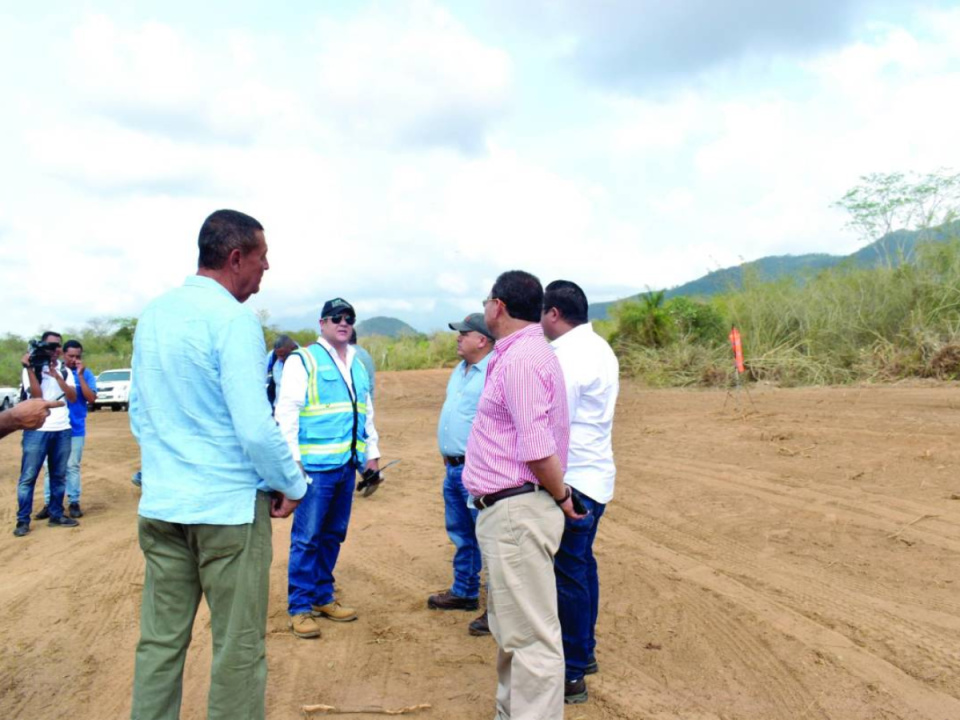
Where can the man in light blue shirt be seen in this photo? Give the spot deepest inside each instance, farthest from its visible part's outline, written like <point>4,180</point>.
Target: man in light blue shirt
<point>214,470</point>
<point>474,344</point>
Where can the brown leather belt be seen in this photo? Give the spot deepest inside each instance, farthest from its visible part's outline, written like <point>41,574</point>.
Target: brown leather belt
<point>454,460</point>
<point>485,501</point>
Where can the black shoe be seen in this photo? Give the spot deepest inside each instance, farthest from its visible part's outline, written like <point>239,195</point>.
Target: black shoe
<point>448,601</point>
<point>75,511</point>
<point>22,529</point>
<point>62,521</point>
<point>480,626</point>
<point>43,514</point>
<point>592,667</point>
<point>575,691</point>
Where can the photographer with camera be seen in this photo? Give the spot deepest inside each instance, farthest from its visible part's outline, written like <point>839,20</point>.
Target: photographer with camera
<point>45,377</point>
<point>86,393</point>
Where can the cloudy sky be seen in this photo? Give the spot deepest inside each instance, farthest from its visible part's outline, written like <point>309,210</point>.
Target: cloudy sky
<point>401,154</point>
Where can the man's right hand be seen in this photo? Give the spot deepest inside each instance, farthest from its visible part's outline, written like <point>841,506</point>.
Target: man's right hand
<point>281,506</point>
<point>25,361</point>
<point>31,414</point>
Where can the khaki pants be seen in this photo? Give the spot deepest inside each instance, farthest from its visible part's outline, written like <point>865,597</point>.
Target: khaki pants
<point>519,537</point>
<point>230,566</point>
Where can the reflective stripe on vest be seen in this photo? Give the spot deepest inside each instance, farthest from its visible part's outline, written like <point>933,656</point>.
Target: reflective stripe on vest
<point>327,428</point>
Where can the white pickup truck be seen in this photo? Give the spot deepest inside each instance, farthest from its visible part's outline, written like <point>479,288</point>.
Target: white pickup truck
<point>8,397</point>
<point>113,390</point>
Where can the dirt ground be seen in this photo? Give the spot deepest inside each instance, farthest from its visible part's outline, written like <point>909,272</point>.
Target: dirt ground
<point>793,563</point>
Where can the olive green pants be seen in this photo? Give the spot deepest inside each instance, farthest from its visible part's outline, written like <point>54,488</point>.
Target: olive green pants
<point>230,566</point>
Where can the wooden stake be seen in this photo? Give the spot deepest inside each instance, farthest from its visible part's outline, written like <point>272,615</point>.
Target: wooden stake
<point>369,709</point>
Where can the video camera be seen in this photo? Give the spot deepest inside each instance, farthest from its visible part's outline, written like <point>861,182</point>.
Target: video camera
<point>41,353</point>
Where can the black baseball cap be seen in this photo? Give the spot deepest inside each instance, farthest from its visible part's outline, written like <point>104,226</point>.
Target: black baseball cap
<point>337,306</point>
<point>474,322</point>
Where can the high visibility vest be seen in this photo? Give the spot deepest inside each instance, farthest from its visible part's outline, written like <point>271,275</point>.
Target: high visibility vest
<point>333,429</point>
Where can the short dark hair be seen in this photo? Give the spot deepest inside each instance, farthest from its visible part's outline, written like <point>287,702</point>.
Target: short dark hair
<point>353,337</point>
<point>521,293</point>
<point>569,300</point>
<point>222,233</point>
<point>70,344</point>
<point>283,341</point>
<point>48,333</point>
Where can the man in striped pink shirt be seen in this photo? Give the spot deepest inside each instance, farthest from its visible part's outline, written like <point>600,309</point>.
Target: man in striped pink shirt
<point>515,462</point>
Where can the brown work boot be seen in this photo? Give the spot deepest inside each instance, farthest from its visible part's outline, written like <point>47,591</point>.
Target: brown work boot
<point>334,611</point>
<point>446,600</point>
<point>305,626</point>
<point>480,626</point>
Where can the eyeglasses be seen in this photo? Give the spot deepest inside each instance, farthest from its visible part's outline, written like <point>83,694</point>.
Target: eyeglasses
<point>489,298</point>
<point>337,319</point>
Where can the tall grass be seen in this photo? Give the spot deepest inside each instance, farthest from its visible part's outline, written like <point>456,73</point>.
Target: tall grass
<point>845,324</point>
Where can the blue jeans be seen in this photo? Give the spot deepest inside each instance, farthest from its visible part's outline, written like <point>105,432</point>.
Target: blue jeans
<point>319,528</point>
<point>578,588</point>
<point>461,520</point>
<point>73,472</point>
<point>37,447</point>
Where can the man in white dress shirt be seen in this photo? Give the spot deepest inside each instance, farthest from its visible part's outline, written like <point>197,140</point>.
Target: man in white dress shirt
<point>592,376</point>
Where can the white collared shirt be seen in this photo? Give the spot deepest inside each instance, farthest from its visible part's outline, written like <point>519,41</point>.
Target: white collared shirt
<point>592,376</point>
<point>59,418</point>
<point>292,395</point>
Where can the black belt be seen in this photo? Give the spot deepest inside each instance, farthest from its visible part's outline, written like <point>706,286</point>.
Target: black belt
<point>454,460</point>
<point>485,501</point>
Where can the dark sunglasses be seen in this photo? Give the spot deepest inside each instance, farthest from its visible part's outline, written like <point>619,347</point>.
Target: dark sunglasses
<point>337,319</point>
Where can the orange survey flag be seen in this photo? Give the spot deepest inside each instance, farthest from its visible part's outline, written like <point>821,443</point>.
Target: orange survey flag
<point>737,346</point>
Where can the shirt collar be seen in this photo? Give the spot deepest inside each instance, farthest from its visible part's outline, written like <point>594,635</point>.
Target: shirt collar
<point>573,334</point>
<point>208,284</point>
<point>351,351</point>
<point>482,365</point>
<point>531,330</point>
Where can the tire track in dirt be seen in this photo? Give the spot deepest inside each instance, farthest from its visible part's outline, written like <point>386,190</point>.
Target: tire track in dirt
<point>878,518</point>
<point>918,650</point>
<point>871,669</point>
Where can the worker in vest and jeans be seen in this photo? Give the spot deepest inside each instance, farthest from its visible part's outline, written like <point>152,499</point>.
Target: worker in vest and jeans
<point>325,411</point>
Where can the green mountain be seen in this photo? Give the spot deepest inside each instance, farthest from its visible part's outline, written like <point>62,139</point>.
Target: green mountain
<point>387,326</point>
<point>894,248</point>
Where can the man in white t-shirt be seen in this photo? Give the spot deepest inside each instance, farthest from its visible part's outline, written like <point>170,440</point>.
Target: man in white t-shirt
<point>592,377</point>
<point>52,441</point>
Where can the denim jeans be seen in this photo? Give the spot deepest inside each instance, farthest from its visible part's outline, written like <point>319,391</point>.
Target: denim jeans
<point>578,588</point>
<point>73,472</point>
<point>37,447</point>
<point>461,520</point>
<point>319,528</point>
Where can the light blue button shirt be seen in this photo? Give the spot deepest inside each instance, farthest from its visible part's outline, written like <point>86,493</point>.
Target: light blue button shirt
<point>207,439</point>
<point>456,418</point>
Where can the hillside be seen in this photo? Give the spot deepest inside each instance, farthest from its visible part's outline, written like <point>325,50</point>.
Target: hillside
<point>896,247</point>
<point>386,326</point>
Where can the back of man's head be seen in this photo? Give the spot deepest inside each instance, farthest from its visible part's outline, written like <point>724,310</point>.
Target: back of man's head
<point>284,341</point>
<point>223,232</point>
<point>521,293</point>
<point>569,300</point>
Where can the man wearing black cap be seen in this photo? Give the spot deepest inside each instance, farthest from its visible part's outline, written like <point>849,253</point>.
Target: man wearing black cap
<point>474,344</point>
<point>325,411</point>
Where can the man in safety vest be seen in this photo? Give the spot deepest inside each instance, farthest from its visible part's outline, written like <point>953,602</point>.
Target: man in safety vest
<point>325,411</point>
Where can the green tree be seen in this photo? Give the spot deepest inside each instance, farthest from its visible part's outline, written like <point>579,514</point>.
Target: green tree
<point>885,202</point>
<point>646,322</point>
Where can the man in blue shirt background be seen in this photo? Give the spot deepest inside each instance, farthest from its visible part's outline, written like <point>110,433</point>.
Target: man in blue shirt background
<point>86,393</point>
<point>474,344</point>
<point>210,454</point>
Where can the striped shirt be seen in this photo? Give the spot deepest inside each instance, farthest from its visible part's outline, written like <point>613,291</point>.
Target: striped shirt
<point>521,416</point>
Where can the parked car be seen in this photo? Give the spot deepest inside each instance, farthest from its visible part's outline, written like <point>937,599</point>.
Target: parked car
<point>113,390</point>
<point>8,397</point>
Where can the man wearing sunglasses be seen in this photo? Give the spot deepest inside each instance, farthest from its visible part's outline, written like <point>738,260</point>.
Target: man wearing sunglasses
<point>51,442</point>
<point>325,411</point>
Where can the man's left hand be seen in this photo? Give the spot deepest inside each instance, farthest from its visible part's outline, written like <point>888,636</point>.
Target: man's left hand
<point>80,367</point>
<point>373,465</point>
